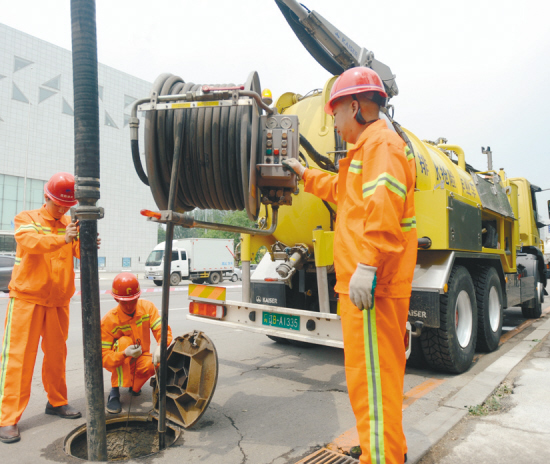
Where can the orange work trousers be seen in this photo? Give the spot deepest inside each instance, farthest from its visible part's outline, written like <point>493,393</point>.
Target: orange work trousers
<point>374,350</point>
<point>25,324</point>
<point>133,372</point>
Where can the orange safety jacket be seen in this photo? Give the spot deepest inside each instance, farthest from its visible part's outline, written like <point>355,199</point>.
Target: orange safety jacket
<point>116,324</point>
<point>44,269</point>
<point>375,223</point>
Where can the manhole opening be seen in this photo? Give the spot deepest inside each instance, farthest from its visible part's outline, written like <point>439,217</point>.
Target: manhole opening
<point>137,440</point>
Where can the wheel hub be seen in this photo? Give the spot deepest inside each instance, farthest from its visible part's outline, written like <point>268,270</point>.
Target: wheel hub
<point>463,319</point>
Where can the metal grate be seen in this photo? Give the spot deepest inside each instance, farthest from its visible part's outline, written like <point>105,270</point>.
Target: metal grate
<point>325,456</point>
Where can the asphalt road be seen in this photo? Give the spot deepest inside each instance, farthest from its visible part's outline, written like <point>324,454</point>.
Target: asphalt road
<point>273,403</point>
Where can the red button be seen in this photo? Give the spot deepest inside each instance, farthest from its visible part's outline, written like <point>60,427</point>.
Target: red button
<point>276,151</point>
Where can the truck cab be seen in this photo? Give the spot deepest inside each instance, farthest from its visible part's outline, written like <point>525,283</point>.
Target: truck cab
<point>154,265</point>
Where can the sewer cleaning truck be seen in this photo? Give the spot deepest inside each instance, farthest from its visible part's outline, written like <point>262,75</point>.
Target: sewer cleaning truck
<point>195,259</point>
<point>479,248</point>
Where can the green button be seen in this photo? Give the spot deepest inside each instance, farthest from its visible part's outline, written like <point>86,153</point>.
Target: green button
<point>269,151</point>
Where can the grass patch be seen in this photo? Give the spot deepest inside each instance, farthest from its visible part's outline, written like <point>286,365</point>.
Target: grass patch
<point>493,403</point>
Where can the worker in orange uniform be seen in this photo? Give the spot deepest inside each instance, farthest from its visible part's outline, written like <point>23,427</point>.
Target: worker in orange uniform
<point>375,248</point>
<point>41,286</point>
<point>126,341</point>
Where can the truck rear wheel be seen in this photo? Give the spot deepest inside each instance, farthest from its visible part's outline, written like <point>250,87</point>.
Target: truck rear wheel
<point>175,279</point>
<point>451,347</point>
<point>215,278</point>
<point>489,308</point>
<point>536,311</point>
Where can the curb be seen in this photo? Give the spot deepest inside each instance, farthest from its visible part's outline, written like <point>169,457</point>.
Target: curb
<point>428,432</point>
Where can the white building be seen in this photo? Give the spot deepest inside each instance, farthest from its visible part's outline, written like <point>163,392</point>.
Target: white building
<point>37,140</point>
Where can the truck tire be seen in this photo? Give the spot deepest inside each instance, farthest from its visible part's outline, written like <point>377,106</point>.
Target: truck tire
<point>451,347</point>
<point>234,278</point>
<point>175,279</point>
<point>489,308</point>
<point>158,283</point>
<point>536,311</point>
<point>215,278</point>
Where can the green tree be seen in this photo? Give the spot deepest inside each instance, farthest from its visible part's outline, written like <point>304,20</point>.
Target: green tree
<point>161,234</point>
<point>234,218</point>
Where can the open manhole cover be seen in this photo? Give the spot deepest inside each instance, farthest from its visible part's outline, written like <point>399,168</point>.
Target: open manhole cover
<point>192,375</point>
<point>138,439</point>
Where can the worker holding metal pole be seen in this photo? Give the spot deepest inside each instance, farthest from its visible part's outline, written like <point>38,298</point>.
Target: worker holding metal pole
<point>41,287</point>
<point>375,249</point>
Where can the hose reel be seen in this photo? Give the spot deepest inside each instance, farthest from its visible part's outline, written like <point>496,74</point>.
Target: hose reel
<point>231,153</point>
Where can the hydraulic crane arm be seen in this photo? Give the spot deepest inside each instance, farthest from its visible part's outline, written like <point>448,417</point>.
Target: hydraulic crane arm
<point>331,48</point>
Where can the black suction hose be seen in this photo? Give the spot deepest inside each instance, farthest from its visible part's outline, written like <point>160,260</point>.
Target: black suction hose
<point>216,144</point>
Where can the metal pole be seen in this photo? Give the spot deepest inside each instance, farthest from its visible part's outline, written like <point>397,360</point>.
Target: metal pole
<point>322,286</point>
<point>86,128</point>
<point>166,280</point>
<point>245,259</point>
<point>164,334</point>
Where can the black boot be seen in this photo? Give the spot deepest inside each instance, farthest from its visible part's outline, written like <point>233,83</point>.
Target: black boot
<point>113,403</point>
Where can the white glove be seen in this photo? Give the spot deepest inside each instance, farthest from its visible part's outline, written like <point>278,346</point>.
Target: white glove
<point>295,166</point>
<point>156,355</point>
<point>360,286</point>
<point>133,351</point>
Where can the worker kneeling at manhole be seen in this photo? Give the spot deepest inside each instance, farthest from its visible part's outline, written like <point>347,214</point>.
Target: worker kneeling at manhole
<point>126,341</point>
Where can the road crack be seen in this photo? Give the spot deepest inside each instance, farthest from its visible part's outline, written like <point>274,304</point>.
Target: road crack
<point>261,368</point>
<point>245,458</point>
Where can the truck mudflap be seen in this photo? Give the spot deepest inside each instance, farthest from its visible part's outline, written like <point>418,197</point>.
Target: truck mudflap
<point>208,305</point>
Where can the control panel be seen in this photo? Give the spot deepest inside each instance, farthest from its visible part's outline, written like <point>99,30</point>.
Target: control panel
<point>279,140</point>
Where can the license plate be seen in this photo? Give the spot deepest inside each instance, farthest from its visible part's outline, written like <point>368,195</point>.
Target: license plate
<point>151,278</point>
<point>283,321</point>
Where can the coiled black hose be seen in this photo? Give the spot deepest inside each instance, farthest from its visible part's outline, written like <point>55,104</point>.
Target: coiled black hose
<point>217,146</point>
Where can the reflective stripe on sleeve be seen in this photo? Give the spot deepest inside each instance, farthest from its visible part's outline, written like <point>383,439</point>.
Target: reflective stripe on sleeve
<point>356,167</point>
<point>156,324</point>
<point>408,153</point>
<point>385,180</point>
<point>37,227</point>
<point>408,224</point>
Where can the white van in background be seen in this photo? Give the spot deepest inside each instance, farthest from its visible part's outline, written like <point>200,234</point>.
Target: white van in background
<point>195,259</point>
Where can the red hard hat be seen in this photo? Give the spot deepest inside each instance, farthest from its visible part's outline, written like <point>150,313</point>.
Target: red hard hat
<point>60,189</point>
<point>353,81</point>
<point>126,287</point>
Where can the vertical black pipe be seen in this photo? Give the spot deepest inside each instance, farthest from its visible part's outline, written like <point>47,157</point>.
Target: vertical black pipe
<point>86,140</point>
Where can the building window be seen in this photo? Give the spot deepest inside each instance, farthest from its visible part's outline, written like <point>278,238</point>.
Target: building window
<point>126,262</point>
<point>13,199</point>
<point>101,262</point>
